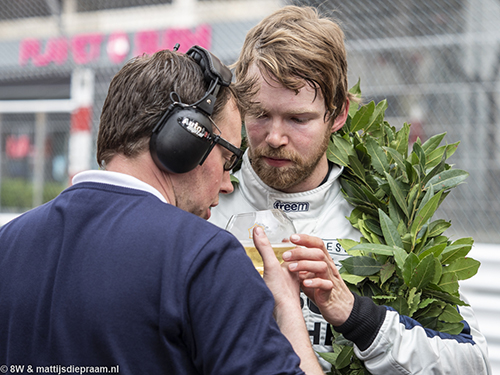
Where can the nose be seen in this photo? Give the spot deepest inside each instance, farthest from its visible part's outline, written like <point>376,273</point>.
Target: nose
<point>276,136</point>
<point>226,186</point>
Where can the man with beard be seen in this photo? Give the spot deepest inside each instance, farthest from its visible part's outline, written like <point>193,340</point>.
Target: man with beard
<point>297,63</point>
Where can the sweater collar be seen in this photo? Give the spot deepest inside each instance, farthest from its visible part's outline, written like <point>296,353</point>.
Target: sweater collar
<point>117,179</point>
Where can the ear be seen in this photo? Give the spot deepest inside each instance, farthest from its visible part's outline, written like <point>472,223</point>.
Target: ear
<point>341,118</point>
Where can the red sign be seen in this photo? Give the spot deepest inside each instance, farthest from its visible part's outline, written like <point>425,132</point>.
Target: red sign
<point>87,48</point>
<point>17,147</point>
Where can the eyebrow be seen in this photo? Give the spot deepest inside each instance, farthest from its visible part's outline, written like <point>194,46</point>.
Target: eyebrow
<point>257,109</point>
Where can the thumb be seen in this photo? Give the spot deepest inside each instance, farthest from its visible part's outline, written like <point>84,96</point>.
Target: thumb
<point>263,246</point>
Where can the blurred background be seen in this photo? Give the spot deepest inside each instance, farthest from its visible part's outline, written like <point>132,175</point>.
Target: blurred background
<point>436,62</point>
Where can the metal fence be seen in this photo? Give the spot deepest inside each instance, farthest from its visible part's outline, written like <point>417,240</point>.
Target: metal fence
<point>436,62</point>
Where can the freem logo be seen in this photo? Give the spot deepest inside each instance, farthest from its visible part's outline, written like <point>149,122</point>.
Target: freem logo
<point>291,206</point>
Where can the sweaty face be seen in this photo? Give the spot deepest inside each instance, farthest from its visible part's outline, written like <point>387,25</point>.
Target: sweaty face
<point>288,136</point>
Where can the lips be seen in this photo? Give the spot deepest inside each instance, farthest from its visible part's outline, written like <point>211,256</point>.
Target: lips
<point>273,162</point>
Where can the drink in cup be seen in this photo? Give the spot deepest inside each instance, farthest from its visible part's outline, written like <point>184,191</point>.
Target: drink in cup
<point>277,226</point>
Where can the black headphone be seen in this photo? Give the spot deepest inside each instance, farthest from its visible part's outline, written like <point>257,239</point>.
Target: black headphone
<point>183,138</point>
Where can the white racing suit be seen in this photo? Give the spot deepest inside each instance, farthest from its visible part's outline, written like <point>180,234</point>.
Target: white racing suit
<point>387,342</point>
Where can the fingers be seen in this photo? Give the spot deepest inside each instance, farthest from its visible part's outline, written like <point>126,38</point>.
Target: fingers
<point>307,241</point>
<point>310,266</point>
<point>312,256</point>
<point>263,245</point>
<point>318,283</point>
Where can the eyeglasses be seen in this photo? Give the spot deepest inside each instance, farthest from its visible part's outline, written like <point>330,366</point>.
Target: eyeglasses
<point>218,140</point>
<point>235,157</point>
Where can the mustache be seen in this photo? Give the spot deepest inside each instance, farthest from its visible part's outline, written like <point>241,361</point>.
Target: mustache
<point>275,153</point>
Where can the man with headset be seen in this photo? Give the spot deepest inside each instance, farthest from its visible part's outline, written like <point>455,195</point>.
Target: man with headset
<point>117,275</point>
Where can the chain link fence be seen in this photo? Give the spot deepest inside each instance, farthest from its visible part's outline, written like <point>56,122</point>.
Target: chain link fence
<point>436,62</point>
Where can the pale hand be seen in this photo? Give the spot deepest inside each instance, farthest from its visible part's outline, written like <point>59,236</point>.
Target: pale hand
<point>321,281</point>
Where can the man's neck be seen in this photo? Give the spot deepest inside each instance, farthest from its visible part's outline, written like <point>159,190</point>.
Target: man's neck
<point>143,168</point>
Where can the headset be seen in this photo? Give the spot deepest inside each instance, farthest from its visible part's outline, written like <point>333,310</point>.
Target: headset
<point>183,137</point>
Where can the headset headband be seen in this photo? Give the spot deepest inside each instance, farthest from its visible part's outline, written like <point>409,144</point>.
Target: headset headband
<point>215,73</point>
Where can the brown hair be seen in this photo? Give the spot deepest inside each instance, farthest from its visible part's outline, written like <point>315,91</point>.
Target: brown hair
<point>293,45</point>
<point>138,96</point>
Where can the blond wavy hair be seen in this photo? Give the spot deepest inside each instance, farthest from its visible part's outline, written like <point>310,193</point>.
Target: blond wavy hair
<point>296,46</point>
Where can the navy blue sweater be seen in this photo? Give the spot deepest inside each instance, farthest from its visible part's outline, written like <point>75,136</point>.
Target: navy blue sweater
<point>111,276</point>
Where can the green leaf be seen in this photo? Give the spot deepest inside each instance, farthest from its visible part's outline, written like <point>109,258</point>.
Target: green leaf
<point>417,149</point>
<point>428,322</point>
<point>372,198</point>
<point>451,328</point>
<point>330,357</point>
<point>425,213</point>
<point>395,213</point>
<point>423,274</point>
<point>453,252</point>
<point>448,179</point>
<point>373,226</point>
<point>437,227</point>
<point>362,117</point>
<point>344,358</point>
<point>353,107</point>
<point>403,259</point>
<point>431,308</point>
<point>413,301</point>
<point>464,268</point>
<point>389,230</point>
<point>449,283</point>
<point>356,167</point>
<point>401,142</point>
<point>375,249</point>
<point>400,305</point>
<point>423,234</point>
<point>426,302</point>
<point>464,241</point>
<point>438,271</point>
<point>450,315</point>
<point>347,243</point>
<point>398,194</point>
<point>440,167</point>
<point>356,89</point>
<point>443,296</point>
<point>339,150</point>
<point>234,179</point>
<point>432,143</point>
<point>436,250</point>
<point>435,156</point>
<point>361,266</point>
<point>400,256</point>
<point>386,272</point>
<point>353,190</point>
<point>352,279</point>
<point>367,233</point>
<point>398,158</point>
<point>381,299</point>
<point>427,196</point>
<point>378,156</point>
<point>411,263</point>
<point>413,173</point>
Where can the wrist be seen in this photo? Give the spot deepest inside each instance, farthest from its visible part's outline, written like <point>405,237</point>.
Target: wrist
<point>363,323</point>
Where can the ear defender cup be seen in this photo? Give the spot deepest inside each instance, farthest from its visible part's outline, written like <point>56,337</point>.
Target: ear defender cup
<point>181,139</point>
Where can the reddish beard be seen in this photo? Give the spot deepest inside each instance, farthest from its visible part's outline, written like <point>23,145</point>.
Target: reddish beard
<point>284,178</point>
